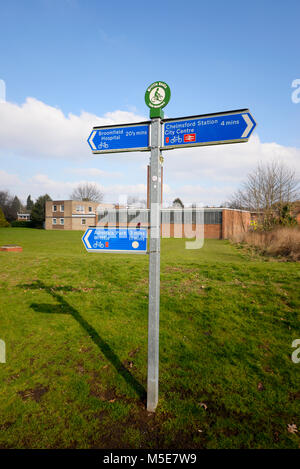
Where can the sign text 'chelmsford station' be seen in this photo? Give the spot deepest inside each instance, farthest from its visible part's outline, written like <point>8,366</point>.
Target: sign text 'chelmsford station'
<point>213,129</point>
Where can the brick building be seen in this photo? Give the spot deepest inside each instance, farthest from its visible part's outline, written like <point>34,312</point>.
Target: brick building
<point>216,223</point>
<point>70,214</point>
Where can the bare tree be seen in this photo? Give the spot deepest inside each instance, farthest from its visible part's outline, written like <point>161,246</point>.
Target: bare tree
<point>88,192</point>
<point>5,199</point>
<point>267,189</point>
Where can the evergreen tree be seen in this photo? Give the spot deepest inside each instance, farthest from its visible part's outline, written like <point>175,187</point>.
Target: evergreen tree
<point>3,222</point>
<point>38,211</point>
<point>15,208</point>
<point>5,203</point>
<point>178,203</point>
<point>29,203</point>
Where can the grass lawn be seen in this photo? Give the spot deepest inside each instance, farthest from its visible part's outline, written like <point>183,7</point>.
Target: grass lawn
<point>75,328</point>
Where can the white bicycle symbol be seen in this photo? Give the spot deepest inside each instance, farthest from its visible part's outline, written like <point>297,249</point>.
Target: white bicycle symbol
<point>102,145</point>
<point>98,244</point>
<point>176,140</point>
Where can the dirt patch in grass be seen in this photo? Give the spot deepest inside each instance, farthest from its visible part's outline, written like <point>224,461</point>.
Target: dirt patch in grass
<point>147,425</point>
<point>13,378</point>
<point>34,393</point>
<point>80,369</point>
<point>97,390</point>
<point>5,426</point>
<point>133,352</point>
<point>294,396</point>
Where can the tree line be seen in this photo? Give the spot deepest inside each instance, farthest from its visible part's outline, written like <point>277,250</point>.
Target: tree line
<point>269,191</point>
<point>10,206</point>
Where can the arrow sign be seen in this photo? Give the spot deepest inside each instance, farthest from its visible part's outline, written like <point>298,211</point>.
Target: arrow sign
<point>211,129</point>
<point>114,139</point>
<point>126,240</point>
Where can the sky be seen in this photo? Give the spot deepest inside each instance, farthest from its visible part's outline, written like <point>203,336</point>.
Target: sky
<point>67,65</point>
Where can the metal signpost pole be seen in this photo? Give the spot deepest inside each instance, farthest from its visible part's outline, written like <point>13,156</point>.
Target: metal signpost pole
<point>154,266</point>
<point>210,129</point>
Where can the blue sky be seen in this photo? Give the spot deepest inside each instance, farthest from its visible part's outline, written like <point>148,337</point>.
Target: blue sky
<point>92,59</point>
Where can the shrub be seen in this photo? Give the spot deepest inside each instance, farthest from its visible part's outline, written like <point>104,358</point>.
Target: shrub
<point>282,241</point>
<point>21,224</point>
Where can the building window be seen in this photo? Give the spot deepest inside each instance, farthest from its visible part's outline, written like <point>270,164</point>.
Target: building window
<point>90,209</point>
<point>62,208</point>
<point>79,208</point>
<point>54,208</point>
<point>53,221</point>
<point>83,221</point>
<point>62,221</point>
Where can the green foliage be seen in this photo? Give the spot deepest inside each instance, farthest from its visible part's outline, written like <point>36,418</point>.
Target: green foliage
<point>16,207</point>
<point>285,217</point>
<point>3,222</point>
<point>75,326</point>
<point>21,224</point>
<point>10,205</point>
<point>38,211</point>
<point>29,203</point>
<point>279,215</point>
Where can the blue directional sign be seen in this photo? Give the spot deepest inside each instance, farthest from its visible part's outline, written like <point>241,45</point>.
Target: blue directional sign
<point>213,129</point>
<point>114,139</point>
<point>125,240</point>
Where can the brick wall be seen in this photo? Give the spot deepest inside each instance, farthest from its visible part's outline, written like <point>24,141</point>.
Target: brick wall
<point>234,223</point>
<point>213,231</point>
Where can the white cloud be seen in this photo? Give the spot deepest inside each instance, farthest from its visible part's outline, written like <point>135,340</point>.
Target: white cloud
<point>189,194</point>
<point>40,184</point>
<point>92,172</point>
<point>226,163</point>
<point>35,129</point>
<point>7,180</point>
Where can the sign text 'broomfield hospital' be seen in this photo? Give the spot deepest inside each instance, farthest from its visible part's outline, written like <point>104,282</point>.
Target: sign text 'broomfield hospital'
<point>129,137</point>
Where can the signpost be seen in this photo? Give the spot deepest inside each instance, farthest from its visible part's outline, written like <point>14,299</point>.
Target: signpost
<point>127,240</point>
<point>159,134</point>
<point>112,139</point>
<point>211,129</point>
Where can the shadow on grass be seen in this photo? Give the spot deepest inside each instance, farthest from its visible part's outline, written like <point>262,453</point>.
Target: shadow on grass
<point>65,308</point>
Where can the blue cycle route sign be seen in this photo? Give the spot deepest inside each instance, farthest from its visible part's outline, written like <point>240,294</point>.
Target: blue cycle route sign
<point>126,240</point>
<point>114,139</point>
<point>212,129</point>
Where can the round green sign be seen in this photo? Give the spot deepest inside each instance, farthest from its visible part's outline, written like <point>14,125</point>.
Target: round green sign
<point>157,95</point>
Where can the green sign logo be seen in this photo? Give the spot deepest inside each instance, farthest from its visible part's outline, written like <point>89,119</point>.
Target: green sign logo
<point>157,95</point>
